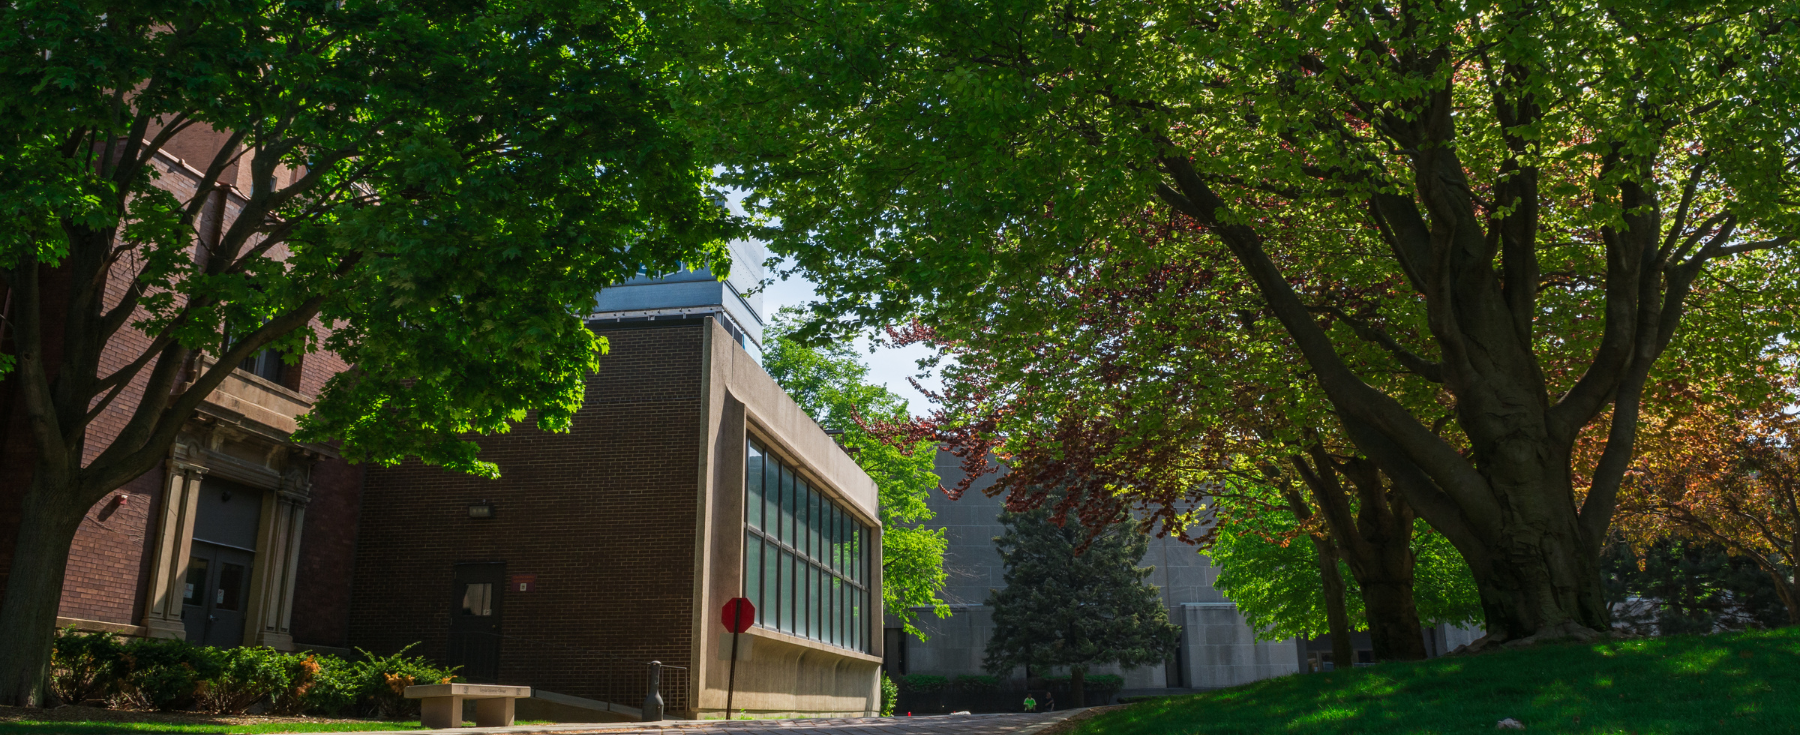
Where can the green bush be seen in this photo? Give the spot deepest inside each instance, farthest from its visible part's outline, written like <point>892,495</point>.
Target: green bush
<point>923,683</point>
<point>84,666</point>
<point>322,685</point>
<point>172,674</point>
<point>246,676</point>
<point>381,682</point>
<point>166,673</point>
<point>976,684</point>
<point>890,693</point>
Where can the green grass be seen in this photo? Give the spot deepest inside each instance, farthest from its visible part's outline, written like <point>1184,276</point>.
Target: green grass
<point>91,727</point>
<point>1680,685</point>
<point>106,728</point>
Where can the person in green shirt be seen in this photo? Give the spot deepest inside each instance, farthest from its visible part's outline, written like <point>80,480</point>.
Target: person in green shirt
<point>1030,704</point>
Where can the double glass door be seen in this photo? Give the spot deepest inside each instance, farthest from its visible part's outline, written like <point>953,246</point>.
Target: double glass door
<point>216,593</point>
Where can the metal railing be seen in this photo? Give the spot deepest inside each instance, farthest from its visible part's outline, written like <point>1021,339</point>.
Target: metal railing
<point>623,682</point>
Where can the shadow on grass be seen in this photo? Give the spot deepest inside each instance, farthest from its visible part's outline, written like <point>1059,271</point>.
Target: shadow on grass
<point>37,727</point>
<point>1680,685</point>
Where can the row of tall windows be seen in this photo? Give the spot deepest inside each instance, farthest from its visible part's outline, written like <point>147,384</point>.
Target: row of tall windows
<point>806,560</point>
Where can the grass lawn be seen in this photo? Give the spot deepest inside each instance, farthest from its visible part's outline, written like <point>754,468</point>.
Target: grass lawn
<point>1716,685</point>
<point>92,727</point>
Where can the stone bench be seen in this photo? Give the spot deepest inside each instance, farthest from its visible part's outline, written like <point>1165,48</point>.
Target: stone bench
<point>442,704</point>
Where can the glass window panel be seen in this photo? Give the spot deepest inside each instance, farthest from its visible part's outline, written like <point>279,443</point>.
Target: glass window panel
<point>771,497</point>
<point>802,502</point>
<point>769,608</point>
<point>753,571</point>
<point>837,539</point>
<point>787,505</point>
<point>787,592</point>
<point>833,618</point>
<point>856,622</point>
<point>816,629</point>
<point>753,485</point>
<point>478,599</point>
<point>814,500</point>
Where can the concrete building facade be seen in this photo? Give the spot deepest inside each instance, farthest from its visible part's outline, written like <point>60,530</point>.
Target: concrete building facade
<point>1218,648</point>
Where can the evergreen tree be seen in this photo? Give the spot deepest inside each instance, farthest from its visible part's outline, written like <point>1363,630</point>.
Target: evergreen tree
<point>1065,606</point>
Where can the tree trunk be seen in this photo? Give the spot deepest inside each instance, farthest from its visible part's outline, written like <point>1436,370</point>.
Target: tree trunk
<point>1541,586</point>
<point>48,521</point>
<point>1393,621</point>
<point>1376,541</point>
<point>1789,592</point>
<point>1337,615</point>
<point>1077,678</point>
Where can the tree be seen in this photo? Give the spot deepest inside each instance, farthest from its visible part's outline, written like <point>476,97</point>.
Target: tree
<point>434,192</point>
<point>831,384</point>
<point>1268,567</point>
<point>1530,197</point>
<point>1684,586</point>
<point>1163,391</point>
<point>1065,605</point>
<point>1725,474</point>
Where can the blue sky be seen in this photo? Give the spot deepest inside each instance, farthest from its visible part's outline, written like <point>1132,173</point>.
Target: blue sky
<point>887,366</point>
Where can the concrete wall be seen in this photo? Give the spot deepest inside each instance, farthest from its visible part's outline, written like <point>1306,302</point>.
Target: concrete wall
<point>776,673</point>
<point>1216,646</point>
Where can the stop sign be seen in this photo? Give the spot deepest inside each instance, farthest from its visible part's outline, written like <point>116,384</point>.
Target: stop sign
<point>738,615</point>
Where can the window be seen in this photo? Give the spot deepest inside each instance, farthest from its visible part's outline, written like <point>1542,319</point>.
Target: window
<point>478,599</point>
<point>804,556</point>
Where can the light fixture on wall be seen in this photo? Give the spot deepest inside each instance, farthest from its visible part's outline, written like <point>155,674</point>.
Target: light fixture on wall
<point>483,509</point>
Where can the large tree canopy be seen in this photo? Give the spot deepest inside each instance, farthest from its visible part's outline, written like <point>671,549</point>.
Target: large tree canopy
<point>433,191</point>
<point>1515,203</point>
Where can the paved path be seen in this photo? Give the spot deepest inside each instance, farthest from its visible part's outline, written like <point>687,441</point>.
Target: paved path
<point>1010,724</point>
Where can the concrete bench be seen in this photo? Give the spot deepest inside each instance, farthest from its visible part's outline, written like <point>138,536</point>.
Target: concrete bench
<point>442,704</point>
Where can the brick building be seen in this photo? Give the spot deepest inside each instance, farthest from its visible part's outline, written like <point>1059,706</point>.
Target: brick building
<point>690,478</point>
<point>240,522</point>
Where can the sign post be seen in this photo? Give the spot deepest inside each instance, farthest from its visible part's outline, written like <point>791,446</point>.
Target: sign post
<point>738,615</point>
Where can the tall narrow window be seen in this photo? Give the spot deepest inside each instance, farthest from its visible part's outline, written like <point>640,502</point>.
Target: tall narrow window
<point>805,554</point>
<point>753,486</point>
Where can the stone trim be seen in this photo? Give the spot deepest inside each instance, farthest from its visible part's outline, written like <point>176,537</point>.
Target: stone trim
<point>125,629</point>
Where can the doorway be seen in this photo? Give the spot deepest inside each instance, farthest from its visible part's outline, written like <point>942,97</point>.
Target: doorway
<point>213,602</point>
<point>475,615</point>
<point>216,595</point>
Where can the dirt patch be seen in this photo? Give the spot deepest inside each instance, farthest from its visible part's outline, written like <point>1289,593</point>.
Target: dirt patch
<point>1067,726</point>
<point>102,714</point>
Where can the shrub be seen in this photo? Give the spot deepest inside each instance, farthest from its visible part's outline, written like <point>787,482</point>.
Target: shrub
<point>890,693</point>
<point>923,683</point>
<point>381,682</point>
<point>84,666</point>
<point>246,676</point>
<point>166,673</point>
<point>976,684</point>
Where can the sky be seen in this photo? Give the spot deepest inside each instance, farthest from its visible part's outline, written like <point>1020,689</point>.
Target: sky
<point>887,366</point>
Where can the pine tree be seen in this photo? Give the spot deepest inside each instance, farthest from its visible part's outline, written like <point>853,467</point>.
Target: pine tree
<point>1064,608</point>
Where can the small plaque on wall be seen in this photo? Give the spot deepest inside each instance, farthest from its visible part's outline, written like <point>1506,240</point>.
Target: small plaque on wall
<point>524,582</point>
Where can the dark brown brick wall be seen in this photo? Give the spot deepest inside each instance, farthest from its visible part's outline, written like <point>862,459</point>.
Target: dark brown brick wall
<point>604,517</point>
<point>327,551</point>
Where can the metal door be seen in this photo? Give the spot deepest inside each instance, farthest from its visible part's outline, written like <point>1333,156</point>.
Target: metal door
<point>475,615</point>
<point>216,595</point>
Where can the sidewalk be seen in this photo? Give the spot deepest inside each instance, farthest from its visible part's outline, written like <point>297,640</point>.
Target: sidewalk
<point>1003,724</point>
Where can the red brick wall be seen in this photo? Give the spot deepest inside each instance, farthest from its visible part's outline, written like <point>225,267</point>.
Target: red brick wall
<point>603,516</point>
<point>108,570</point>
<point>327,551</point>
